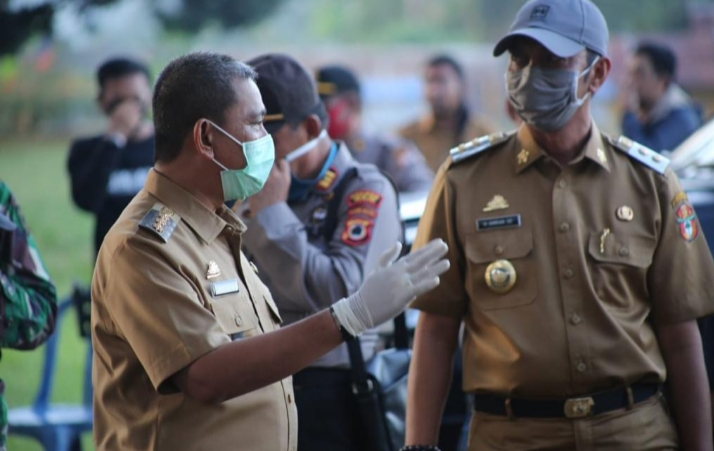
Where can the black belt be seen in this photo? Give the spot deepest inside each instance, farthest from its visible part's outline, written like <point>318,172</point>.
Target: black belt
<point>579,407</point>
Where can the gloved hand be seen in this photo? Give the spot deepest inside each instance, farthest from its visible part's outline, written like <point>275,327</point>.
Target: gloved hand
<point>391,286</point>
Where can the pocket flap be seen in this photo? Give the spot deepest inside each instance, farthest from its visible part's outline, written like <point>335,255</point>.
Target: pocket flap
<point>621,249</point>
<point>484,247</point>
<point>230,314</point>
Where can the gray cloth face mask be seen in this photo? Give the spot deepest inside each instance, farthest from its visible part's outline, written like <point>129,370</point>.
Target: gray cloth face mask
<point>546,98</point>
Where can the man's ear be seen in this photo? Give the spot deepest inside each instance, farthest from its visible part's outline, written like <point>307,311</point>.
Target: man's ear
<point>599,74</point>
<point>203,138</point>
<point>313,125</point>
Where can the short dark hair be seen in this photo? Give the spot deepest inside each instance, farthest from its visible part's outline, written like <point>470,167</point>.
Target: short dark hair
<point>446,60</point>
<point>662,58</point>
<point>194,86</point>
<point>120,67</point>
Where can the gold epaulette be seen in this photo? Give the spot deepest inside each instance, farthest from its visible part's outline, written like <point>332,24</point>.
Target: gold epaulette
<point>638,152</point>
<point>160,221</point>
<point>478,145</point>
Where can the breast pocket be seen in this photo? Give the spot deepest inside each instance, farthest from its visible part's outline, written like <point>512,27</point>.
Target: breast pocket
<point>495,260</point>
<point>234,313</point>
<point>618,267</point>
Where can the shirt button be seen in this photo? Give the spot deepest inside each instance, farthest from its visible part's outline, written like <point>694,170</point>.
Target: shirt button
<point>564,227</point>
<point>290,398</point>
<point>581,367</point>
<point>575,319</point>
<point>239,320</point>
<point>624,252</point>
<point>562,183</point>
<point>568,273</point>
<point>498,250</point>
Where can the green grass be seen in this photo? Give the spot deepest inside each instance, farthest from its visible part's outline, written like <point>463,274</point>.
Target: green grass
<point>36,173</point>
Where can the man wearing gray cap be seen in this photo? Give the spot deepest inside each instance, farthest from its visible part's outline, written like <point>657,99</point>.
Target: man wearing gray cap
<point>314,231</point>
<point>578,268</point>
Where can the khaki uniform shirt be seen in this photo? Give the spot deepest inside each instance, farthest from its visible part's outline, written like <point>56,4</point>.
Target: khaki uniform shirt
<point>435,142</point>
<point>397,157</point>
<point>602,249</point>
<point>157,307</point>
<point>306,270</point>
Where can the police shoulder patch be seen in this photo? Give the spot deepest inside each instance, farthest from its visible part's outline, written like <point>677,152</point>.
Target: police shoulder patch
<point>160,221</point>
<point>637,151</point>
<point>357,231</point>
<point>478,145</point>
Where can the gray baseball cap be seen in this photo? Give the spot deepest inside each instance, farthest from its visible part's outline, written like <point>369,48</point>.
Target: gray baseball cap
<point>565,27</point>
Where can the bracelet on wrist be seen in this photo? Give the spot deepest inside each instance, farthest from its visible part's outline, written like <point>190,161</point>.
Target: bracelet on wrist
<point>346,336</point>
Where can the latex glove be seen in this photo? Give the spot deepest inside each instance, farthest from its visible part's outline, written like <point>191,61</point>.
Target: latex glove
<point>391,286</point>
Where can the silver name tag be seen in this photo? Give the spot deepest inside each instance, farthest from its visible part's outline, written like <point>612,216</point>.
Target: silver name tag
<point>224,287</point>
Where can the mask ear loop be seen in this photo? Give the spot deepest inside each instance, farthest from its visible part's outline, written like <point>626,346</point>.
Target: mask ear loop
<point>582,74</point>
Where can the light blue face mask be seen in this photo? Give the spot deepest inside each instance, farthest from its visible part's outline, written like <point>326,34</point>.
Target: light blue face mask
<point>239,184</point>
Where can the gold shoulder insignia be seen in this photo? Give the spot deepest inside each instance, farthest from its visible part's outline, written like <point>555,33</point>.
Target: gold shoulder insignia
<point>161,221</point>
<point>478,145</point>
<point>638,152</point>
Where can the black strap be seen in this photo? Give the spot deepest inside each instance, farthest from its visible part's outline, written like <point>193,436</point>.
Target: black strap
<point>401,334</point>
<point>333,207</point>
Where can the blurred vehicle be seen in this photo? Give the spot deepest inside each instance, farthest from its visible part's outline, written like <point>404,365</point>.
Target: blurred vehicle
<point>693,161</point>
<point>411,207</point>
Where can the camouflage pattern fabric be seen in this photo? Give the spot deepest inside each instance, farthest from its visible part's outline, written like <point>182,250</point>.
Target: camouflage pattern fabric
<point>28,300</point>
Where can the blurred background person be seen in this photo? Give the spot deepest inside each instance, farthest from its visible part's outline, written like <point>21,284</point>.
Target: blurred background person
<point>660,114</point>
<point>28,300</point>
<point>339,89</point>
<point>107,170</point>
<point>449,122</point>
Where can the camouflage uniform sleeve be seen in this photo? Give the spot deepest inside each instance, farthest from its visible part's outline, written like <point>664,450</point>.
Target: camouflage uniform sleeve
<point>28,300</point>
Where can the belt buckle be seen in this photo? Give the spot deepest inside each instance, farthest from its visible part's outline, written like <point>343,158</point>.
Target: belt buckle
<point>579,407</point>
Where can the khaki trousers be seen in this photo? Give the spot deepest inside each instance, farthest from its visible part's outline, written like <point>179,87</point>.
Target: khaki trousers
<point>647,427</point>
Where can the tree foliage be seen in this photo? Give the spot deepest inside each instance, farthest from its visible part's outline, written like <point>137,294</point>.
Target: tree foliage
<point>195,14</point>
<point>17,25</point>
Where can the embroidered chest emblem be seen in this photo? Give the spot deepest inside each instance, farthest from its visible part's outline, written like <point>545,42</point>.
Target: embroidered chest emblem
<point>497,203</point>
<point>213,270</point>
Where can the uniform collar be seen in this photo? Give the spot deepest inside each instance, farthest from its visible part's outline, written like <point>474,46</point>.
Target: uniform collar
<point>529,151</point>
<point>205,222</point>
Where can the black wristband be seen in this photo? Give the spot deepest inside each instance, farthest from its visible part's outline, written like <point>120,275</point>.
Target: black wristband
<point>420,448</point>
<point>346,336</point>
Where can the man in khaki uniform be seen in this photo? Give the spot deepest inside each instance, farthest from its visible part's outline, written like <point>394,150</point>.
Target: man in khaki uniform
<point>449,122</point>
<point>188,353</point>
<point>578,268</point>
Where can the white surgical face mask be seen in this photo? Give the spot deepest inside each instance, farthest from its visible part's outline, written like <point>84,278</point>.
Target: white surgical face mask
<point>305,148</point>
<point>546,98</point>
